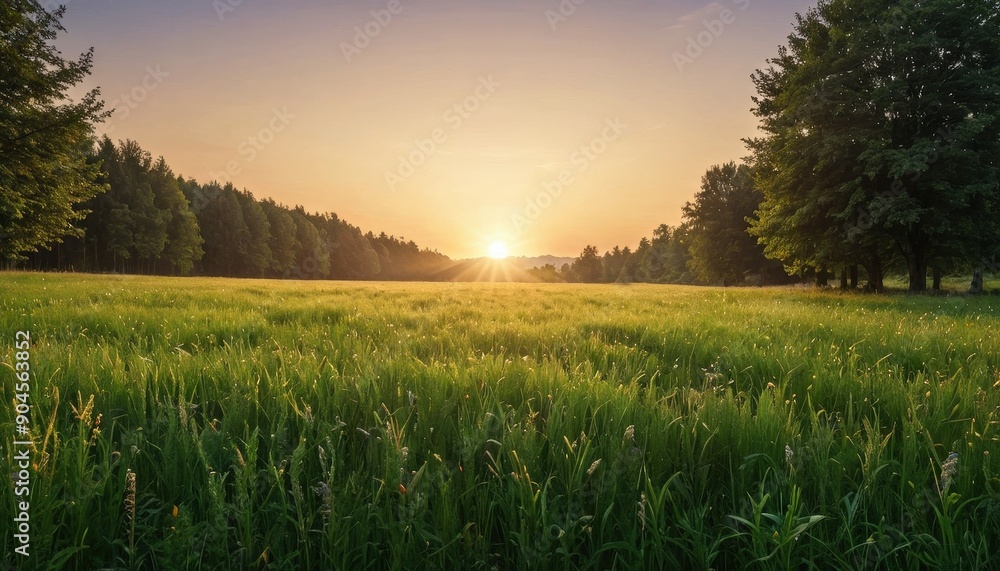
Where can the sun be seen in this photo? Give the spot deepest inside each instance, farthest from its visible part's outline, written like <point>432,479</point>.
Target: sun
<point>498,250</point>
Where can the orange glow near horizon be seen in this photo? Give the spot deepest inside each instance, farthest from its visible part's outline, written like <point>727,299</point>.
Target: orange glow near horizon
<point>443,122</point>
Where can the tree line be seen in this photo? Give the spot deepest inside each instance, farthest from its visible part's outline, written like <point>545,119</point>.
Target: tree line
<point>712,245</point>
<point>68,202</point>
<point>150,221</point>
<point>879,153</point>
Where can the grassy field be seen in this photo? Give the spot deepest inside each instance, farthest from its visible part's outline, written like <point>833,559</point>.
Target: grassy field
<point>217,424</point>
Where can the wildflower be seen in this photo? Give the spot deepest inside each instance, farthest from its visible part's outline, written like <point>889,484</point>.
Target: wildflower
<point>629,434</point>
<point>175,511</point>
<point>948,471</point>
<point>593,467</point>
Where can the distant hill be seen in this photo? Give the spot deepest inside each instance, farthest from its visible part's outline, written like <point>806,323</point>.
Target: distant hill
<point>482,270</point>
<point>528,262</point>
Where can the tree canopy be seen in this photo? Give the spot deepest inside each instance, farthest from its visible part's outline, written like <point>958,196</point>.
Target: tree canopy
<point>881,129</point>
<point>44,137</point>
<point>879,149</point>
<point>152,221</point>
<point>721,249</point>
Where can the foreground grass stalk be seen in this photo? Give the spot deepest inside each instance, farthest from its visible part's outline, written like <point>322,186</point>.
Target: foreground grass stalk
<point>220,424</point>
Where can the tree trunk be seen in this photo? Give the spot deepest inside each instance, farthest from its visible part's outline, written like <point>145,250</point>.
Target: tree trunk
<point>977,281</point>
<point>822,279</point>
<point>916,265</point>
<point>97,259</point>
<point>843,277</point>
<point>854,276</point>
<point>936,272</point>
<point>875,274</point>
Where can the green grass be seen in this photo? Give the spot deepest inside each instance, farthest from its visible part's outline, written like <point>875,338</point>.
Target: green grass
<point>479,426</point>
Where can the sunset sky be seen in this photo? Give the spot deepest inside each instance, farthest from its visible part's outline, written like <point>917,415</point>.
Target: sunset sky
<point>444,121</point>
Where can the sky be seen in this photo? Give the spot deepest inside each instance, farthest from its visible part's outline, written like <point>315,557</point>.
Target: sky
<point>546,124</point>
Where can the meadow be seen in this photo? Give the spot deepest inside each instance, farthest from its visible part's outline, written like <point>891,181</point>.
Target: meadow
<point>236,424</point>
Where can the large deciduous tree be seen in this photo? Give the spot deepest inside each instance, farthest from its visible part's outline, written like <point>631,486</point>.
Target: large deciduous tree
<point>44,137</point>
<point>881,125</point>
<point>721,249</point>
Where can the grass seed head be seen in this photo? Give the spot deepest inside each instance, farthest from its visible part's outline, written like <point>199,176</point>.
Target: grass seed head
<point>629,435</point>
<point>948,471</point>
<point>130,505</point>
<point>641,512</point>
<point>129,495</point>
<point>593,467</point>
